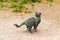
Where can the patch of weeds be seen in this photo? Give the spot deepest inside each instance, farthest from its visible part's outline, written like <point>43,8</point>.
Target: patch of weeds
<point>13,0</point>
<point>36,1</point>
<point>26,8</point>
<point>3,0</point>
<point>1,6</point>
<point>27,11</point>
<point>50,0</point>
<point>50,4</point>
<point>18,5</point>
<point>13,5</point>
<point>23,2</point>
<point>32,4</point>
<point>19,8</point>
<point>39,1</point>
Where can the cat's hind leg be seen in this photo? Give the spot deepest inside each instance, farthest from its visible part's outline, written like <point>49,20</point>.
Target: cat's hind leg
<point>29,29</point>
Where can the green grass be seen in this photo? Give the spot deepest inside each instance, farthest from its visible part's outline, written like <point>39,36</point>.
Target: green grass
<point>36,1</point>
<point>13,5</point>
<point>50,0</point>
<point>1,6</point>
<point>19,5</point>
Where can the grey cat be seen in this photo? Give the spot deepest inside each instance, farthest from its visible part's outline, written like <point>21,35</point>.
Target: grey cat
<point>30,22</point>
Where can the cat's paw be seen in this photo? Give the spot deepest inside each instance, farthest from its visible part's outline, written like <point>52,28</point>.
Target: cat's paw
<point>35,30</point>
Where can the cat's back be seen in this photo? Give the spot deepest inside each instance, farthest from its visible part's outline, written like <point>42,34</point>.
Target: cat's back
<point>30,21</point>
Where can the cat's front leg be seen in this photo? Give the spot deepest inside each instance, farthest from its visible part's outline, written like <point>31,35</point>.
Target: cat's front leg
<point>35,28</point>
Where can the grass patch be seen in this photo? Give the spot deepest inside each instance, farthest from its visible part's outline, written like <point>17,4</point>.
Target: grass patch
<point>13,5</point>
<point>50,0</point>
<point>1,6</point>
<point>19,5</point>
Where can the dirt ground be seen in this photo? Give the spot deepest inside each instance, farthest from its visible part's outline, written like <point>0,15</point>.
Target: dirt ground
<point>48,29</point>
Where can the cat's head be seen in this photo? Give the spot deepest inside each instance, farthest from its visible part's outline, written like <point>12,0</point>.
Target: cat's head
<point>38,14</point>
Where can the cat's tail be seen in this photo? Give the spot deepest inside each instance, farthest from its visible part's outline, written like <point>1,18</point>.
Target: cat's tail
<point>19,25</point>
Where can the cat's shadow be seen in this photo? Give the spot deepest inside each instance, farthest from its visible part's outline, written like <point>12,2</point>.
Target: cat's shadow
<point>26,31</point>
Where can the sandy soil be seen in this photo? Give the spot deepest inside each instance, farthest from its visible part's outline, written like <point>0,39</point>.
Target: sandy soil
<point>49,28</point>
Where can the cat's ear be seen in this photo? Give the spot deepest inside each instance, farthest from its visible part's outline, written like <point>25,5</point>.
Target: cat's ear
<point>40,13</point>
<point>36,13</point>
